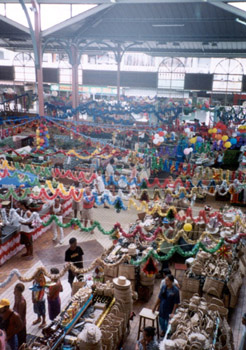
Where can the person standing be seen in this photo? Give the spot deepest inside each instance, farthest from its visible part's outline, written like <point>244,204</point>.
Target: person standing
<point>167,302</point>
<point>11,323</point>
<point>38,299</point>
<point>110,169</point>
<point>26,230</point>
<point>242,345</point>
<point>165,273</point>
<point>109,173</point>
<point>100,186</point>
<point>77,206</point>
<point>88,203</point>
<point>54,301</point>
<point>20,309</point>
<point>74,254</point>
<point>56,209</point>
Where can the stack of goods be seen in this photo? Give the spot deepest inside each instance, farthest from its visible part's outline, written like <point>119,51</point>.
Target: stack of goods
<point>90,338</point>
<point>77,301</point>
<point>113,255</point>
<point>214,276</point>
<point>198,325</point>
<point>123,293</point>
<point>114,326</point>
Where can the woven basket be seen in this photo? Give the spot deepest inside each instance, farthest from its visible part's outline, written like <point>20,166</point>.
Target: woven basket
<point>185,295</point>
<point>208,297</point>
<point>235,282</point>
<point>190,285</point>
<point>233,300</point>
<point>242,267</point>
<point>213,286</point>
<point>222,310</point>
<point>107,340</point>
<point>127,270</point>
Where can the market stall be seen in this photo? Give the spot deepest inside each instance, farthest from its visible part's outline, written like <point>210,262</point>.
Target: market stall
<point>97,315</point>
<point>10,237</point>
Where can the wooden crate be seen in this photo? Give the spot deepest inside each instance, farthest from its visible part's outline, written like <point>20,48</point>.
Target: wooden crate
<point>127,270</point>
<point>145,292</point>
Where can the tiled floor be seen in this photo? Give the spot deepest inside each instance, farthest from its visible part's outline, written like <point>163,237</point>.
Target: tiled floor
<point>44,255</point>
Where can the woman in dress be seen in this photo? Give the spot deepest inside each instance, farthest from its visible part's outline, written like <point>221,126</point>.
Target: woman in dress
<point>54,301</point>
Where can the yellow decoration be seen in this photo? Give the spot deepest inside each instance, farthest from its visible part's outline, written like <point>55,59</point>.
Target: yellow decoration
<point>193,140</point>
<point>187,227</point>
<point>214,131</point>
<point>210,131</point>
<point>227,144</point>
<point>224,138</point>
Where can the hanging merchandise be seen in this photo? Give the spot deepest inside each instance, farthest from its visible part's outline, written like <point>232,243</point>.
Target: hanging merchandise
<point>42,137</point>
<point>150,268</point>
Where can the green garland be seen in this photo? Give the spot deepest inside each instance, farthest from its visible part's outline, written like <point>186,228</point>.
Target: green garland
<point>180,251</point>
<point>25,179</point>
<point>37,170</point>
<point>11,192</point>
<point>77,222</point>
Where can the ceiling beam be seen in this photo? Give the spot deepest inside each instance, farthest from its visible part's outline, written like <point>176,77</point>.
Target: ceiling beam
<point>75,19</point>
<point>14,24</point>
<point>118,1</point>
<point>232,9</point>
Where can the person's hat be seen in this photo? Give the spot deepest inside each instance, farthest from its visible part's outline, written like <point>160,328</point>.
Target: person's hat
<point>4,302</point>
<point>121,282</point>
<point>244,316</point>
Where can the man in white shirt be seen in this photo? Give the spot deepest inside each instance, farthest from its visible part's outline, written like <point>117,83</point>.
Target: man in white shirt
<point>110,173</point>
<point>109,168</point>
<point>100,186</point>
<point>165,273</point>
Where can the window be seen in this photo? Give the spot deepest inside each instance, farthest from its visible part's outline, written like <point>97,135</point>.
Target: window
<point>228,75</point>
<point>171,74</point>
<point>24,67</point>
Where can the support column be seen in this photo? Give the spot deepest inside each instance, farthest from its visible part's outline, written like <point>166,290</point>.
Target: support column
<point>39,67</point>
<point>118,60</point>
<point>37,50</point>
<point>75,81</point>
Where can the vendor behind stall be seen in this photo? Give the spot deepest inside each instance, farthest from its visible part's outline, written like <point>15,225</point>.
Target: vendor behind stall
<point>26,230</point>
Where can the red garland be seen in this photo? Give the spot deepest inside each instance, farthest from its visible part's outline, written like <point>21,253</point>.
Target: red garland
<point>138,229</point>
<point>203,216</point>
<point>68,174</point>
<point>5,173</point>
<point>166,183</point>
<point>236,240</point>
<point>58,193</point>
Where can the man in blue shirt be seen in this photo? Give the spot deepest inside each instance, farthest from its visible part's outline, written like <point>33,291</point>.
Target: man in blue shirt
<point>167,302</point>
